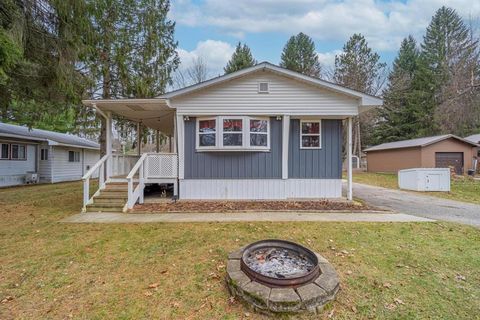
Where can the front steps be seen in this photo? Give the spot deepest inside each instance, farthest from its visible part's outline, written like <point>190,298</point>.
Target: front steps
<point>111,199</point>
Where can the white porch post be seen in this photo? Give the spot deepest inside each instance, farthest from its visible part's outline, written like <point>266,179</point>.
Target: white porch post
<point>285,138</point>
<point>139,139</point>
<point>349,159</point>
<point>108,143</point>
<point>179,134</point>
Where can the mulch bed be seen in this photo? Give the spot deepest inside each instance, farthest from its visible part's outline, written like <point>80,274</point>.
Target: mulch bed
<point>241,206</point>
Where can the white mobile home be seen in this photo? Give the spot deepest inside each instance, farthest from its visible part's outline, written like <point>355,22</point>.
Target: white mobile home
<point>34,155</point>
<point>259,133</point>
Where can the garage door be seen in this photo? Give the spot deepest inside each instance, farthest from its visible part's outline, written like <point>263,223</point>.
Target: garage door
<point>450,159</point>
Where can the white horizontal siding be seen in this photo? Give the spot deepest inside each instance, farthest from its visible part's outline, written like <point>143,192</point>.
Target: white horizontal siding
<point>45,166</point>
<point>286,96</point>
<point>63,170</point>
<point>91,157</point>
<point>12,172</point>
<point>259,189</point>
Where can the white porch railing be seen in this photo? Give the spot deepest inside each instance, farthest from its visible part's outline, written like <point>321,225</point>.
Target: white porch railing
<point>122,164</point>
<point>151,167</point>
<point>100,166</point>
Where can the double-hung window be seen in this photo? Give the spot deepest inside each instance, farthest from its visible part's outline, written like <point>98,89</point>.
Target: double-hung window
<point>310,134</point>
<point>18,152</point>
<point>233,133</point>
<point>207,133</point>
<point>73,156</point>
<point>43,154</point>
<point>5,151</point>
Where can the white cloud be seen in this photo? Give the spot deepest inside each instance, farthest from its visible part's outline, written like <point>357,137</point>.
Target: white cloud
<point>384,24</point>
<point>327,59</point>
<point>215,53</point>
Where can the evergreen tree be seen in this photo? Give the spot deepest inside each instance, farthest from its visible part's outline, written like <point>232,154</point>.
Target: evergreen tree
<point>299,55</point>
<point>446,84</point>
<point>359,68</point>
<point>242,58</point>
<point>136,50</point>
<point>397,118</point>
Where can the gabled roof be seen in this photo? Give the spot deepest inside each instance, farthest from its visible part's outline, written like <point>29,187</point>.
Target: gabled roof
<point>419,142</point>
<point>366,100</point>
<point>473,138</point>
<point>53,138</point>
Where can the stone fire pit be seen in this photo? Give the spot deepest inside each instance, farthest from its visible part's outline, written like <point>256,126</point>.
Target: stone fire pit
<point>276,276</point>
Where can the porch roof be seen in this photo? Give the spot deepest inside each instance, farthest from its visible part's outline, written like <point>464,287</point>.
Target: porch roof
<point>153,113</point>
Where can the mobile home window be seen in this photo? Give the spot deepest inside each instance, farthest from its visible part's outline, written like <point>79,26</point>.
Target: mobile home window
<point>233,133</point>
<point>207,133</point>
<point>73,156</point>
<point>5,151</point>
<point>310,134</point>
<point>44,154</point>
<point>18,152</point>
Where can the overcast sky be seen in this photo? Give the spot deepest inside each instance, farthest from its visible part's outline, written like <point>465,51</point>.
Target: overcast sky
<point>211,28</point>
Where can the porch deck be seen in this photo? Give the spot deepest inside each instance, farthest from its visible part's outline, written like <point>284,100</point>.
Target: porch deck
<point>122,184</point>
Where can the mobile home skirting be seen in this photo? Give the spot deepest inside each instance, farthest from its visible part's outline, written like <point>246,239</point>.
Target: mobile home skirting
<point>259,189</point>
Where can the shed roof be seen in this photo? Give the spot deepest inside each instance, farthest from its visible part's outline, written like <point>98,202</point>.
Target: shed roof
<point>473,138</point>
<point>53,138</point>
<point>419,142</point>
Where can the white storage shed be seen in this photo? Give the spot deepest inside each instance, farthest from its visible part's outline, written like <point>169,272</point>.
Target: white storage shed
<point>424,179</point>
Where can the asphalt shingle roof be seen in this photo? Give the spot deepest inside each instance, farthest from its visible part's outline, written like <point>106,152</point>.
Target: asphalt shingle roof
<point>474,138</point>
<point>419,142</point>
<point>56,137</point>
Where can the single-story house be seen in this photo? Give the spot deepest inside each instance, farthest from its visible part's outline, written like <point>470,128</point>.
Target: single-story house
<point>263,132</point>
<point>429,152</point>
<point>53,156</point>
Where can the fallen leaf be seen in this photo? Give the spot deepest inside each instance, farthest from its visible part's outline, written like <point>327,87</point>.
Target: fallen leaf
<point>175,304</point>
<point>390,306</point>
<point>460,277</point>
<point>7,299</point>
<point>148,294</point>
<point>349,272</point>
<point>387,285</point>
<point>247,314</point>
<point>330,314</point>
<point>231,300</point>
<point>354,309</point>
<point>153,285</point>
<point>398,301</point>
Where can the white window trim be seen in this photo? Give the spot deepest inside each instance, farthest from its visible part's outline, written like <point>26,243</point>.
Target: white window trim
<point>245,134</point>
<point>24,151</point>
<point>310,134</point>
<point>8,153</point>
<point>74,158</point>
<point>43,152</point>
<point>198,133</point>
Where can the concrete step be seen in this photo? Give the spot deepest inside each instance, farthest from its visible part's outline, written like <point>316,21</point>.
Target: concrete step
<point>104,208</point>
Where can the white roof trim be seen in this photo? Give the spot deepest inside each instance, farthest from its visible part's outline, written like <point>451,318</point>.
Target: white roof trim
<point>365,99</point>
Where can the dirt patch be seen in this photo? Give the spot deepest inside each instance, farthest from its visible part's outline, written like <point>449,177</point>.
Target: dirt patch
<point>240,206</point>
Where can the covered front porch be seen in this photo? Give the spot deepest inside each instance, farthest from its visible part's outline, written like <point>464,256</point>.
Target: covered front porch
<point>122,177</point>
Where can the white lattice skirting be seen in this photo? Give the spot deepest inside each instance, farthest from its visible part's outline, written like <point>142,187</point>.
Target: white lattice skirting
<point>255,189</point>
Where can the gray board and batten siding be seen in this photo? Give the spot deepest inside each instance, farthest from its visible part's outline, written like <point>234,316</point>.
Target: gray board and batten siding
<point>324,163</point>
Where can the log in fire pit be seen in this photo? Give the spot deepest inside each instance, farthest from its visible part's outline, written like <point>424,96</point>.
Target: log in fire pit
<point>281,276</point>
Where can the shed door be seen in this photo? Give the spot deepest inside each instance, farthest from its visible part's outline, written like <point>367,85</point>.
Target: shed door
<point>450,159</point>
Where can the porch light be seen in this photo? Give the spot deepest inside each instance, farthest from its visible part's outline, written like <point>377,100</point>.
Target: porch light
<point>279,118</point>
<point>186,118</point>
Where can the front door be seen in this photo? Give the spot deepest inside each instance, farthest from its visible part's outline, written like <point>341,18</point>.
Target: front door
<point>450,159</point>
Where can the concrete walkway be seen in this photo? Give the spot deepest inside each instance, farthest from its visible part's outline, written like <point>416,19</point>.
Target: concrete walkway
<point>418,204</point>
<point>104,217</point>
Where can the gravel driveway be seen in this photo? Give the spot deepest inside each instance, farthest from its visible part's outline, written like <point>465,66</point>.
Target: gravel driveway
<point>419,204</point>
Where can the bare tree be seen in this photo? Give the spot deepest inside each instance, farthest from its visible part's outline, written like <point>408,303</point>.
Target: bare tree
<point>195,73</point>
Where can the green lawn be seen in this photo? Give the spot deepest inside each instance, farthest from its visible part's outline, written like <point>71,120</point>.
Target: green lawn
<point>50,270</point>
<point>462,189</point>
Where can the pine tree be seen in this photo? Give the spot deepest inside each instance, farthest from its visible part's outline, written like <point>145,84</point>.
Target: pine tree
<point>446,86</point>
<point>299,55</point>
<point>242,58</point>
<point>359,68</point>
<point>397,118</point>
